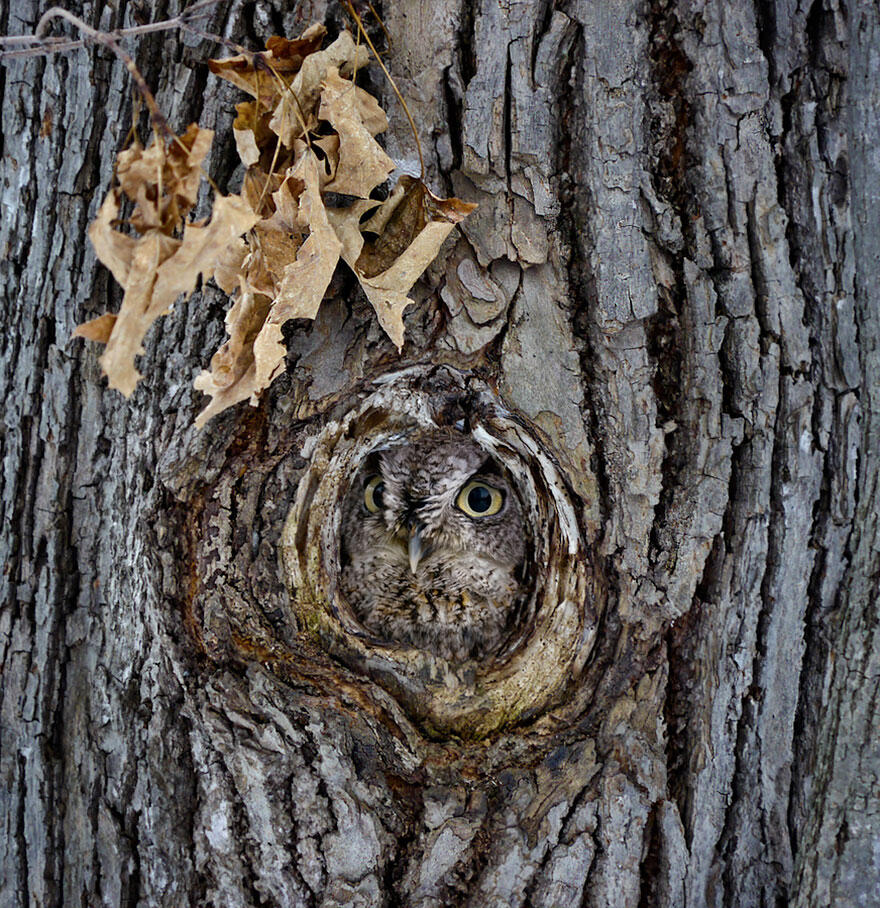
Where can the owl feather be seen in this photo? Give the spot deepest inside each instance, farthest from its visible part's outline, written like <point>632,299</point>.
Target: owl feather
<point>433,546</point>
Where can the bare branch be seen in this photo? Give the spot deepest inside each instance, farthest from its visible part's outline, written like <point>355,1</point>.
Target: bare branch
<point>48,44</point>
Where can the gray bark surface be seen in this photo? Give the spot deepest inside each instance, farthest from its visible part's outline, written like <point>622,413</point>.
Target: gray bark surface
<point>671,277</point>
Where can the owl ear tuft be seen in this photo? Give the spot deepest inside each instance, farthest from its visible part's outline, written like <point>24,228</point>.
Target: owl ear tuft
<point>491,469</point>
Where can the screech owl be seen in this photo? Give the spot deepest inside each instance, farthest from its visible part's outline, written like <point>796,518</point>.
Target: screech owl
<point>433,546</point>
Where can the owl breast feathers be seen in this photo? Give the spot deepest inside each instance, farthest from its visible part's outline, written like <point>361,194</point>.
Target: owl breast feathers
<point>433,547</point>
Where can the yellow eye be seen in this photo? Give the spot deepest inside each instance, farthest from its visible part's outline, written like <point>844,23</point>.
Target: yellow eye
<point>477,499</point>
<point>373,494</point>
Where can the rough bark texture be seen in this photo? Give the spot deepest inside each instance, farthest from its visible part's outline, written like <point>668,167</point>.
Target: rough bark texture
<point>672,278</point>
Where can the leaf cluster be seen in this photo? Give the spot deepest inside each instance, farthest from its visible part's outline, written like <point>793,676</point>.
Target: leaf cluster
<point>307,136</point>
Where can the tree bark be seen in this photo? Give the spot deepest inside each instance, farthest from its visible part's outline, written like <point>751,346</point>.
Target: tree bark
<point>670,282</point>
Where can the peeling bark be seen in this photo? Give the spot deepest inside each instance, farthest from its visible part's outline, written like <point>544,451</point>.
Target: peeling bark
<point>670,280</point>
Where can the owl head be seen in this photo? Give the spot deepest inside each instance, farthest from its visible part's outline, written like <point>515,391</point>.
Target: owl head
<point>434,545</point>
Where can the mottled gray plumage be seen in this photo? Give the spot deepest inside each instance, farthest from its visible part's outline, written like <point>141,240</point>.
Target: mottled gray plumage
<point>460,599</point>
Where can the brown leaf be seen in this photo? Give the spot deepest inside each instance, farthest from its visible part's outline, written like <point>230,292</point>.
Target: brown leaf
<point>330,146</point>
<point>304,280</point>
<point>275,240</point>
<point>159,270</point>
<point>288,55</point>
<point>271,251</point>
<point>137,312</point>
<point>297,108</point>
<point>113,248</point>
<point>286,199</point>
<point>266,76</point>
<point>253,117</point>
<point>96,329</point>
<point>363,164</point>
<point>258,187</point>
<point>202,246</point>
<point>346,222</point>
<point>252,73</point>
<point>400,220</point>
<point>163,180</point>
<point>372,115</point>
<point>414,224</point>
<point>232,377</point>
<point>246,146</point>
<point>388,304</point>
<point>228,267</point>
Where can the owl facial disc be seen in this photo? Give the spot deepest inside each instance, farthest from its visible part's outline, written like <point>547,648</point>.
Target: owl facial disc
<point>433,542</point>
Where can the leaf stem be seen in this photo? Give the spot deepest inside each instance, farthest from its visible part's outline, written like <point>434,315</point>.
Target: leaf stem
<point>348,5</point>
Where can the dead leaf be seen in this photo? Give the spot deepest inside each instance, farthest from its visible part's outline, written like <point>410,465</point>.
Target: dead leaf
<point>202,246</point>
<point>288,55</point>
<point>275,240</point>
<point>113,248</point>
<point>297,109</point>
<point>329,145</point>
<point>96,329</point>
<point>346,223</point>
<point>363,163</point>
<point>232,376</point>
<point>409,210</point>
<point>305,280</point>
<point>228,267</point>
<point>137,312</point>
<point>286,199</point>
<point>158,270</point>
<point>246,146</point>
<point>372,115</point>
<point>252,73</point>
<point>163,180</point>
<point>271,251</point>
<point>258,188</point>
<point>415,223</point>
<point>253,117</point>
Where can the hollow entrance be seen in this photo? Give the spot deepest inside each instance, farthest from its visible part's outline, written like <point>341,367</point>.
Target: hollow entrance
<point>428,433</point>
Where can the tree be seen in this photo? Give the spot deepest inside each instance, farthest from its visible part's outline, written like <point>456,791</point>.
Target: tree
<point>670,279</point>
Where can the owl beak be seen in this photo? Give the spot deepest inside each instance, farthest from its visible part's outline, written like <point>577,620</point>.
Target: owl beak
<point>415,545</point>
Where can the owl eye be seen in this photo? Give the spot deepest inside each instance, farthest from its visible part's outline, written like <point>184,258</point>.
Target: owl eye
<point>373,494</point>
<point>477,499</point>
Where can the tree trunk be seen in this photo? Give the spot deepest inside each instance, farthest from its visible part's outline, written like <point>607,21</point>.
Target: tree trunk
<point>670,284</point>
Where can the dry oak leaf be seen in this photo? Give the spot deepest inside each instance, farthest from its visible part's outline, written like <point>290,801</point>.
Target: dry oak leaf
<point>229,266</point>
<point>265,75</point>
<point>305,280</point>
<point>329,146</point>
<point>259,187</point>
<point>294,278</point>
<point>362,163</point>
<point>96,329</point>
<point>276,239</point>
<point>163,181</point>
<point>232,376</point>
<point>412,224</point>
<point>256,73</point>
<point>154,270</point>
<point>245,141</point>
<point>296,112</point>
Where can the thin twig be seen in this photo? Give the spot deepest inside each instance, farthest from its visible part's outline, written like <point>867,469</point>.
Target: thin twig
<point>56,12</point>
<point>51,44</point>
<point>378,18</point>
<point>348,5</point>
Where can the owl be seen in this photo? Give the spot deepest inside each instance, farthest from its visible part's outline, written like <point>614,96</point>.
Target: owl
<point>433,546</point>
